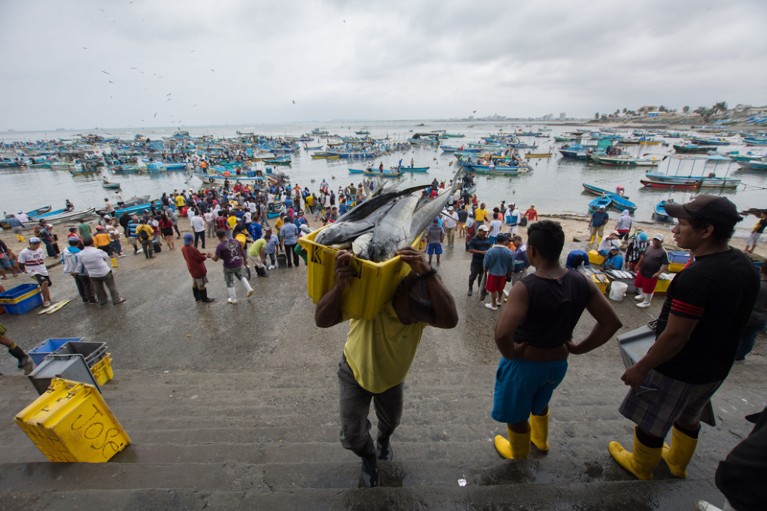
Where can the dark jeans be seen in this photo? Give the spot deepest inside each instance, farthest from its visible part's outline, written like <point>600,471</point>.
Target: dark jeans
<point>109,281</point>
<point>84,287</point>
<point>475,271</point>
<point>741,476</point>
<point>355,406</point>
<point>199,236</point>
<point>148,247</point>
<point>290,252</point>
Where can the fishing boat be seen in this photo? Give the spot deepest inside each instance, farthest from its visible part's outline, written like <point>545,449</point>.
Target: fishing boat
<point>665,185</point>
<point>385,173</point>
<point>618,202</point>
<point>273,210</point>
<point>410,169</point>
<point>61,216</point>
<point>37,212</point>
<point>693,148</point>
<point>707,181</point>
<point>754,164</point>
<point>603,201</point>
<point>660,212</point>
<point>249,179</point>
<point>538,155</point>
<point>136,208</point>
<point>279,160</point>
<point>627,161</point>
<point>110,186</point>
<point>356,171</point>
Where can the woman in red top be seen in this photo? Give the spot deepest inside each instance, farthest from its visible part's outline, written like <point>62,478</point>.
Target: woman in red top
<point>166,229</point>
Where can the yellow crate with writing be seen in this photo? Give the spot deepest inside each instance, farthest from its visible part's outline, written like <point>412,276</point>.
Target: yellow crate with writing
<point>102,370</point>
<point>595,258</point>
<point>72,422</point>
<point>373,284</point>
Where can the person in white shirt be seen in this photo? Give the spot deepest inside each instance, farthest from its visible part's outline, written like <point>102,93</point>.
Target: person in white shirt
<point>495,227</point>
<point>22,217</point>
<point>513,215</point>
<point>450,222</point>
<point>94,262</point>
<point>198,227</point>
<point>32,260</point>
<point>210,224</point>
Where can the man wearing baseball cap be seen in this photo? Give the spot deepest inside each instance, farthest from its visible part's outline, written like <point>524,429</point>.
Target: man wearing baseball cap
<point>697,334</point>
<point>32,260</point>
<point>478,245</point>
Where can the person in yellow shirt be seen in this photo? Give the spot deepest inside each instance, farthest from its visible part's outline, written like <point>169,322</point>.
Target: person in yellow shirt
<point>103,241</point>
<point>145,235</point>
<point>480,214</point>
<point>379,351</point>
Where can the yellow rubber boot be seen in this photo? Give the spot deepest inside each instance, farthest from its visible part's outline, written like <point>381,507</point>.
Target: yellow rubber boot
<point>114,262</point>
<point>678,456</point>
<point>516,448</point>
<point>20,238</point>
<point>591,240</point>
<point>641,462</point>
<point>539,431</point>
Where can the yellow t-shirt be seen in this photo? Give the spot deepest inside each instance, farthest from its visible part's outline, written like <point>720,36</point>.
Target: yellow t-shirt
<point>380,350</point>
<point>231,221</point>
<point>278,224</point>
<point>180,202</point>
<point>242,239</point>
<point>101,240</point>
<point>480,215</point>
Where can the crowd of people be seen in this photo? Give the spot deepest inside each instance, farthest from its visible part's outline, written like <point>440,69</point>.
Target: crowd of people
<point>696,342</point>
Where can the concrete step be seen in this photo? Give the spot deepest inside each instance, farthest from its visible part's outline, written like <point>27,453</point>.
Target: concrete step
<point>624,496</point>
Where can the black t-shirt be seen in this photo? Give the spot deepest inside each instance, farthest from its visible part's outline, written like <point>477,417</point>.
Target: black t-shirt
<point>719,291</point>
<point>478,243</point>
<point>462,215</point>
<point>554,308</point>
<point>654,258</point>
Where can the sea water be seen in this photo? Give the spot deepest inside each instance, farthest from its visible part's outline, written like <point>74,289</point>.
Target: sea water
<point>554,185</point>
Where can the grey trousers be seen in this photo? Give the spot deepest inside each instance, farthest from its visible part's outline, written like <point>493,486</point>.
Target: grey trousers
<point>355,406</point>
<point>109,281</point>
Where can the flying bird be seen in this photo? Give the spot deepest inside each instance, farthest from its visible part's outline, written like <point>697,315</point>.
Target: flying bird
<point>168,94</point>
<point>212,70</point>
<point>85,47</point>
<point>155,114</point>
<point>110,81</point>
<point>294,101</point>
<point>104,72</point>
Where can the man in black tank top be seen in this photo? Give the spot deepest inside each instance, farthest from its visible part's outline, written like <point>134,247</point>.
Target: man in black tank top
<point>534,335</point>
<point>707,306</point>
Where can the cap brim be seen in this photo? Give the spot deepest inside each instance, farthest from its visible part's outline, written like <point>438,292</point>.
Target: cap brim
<point>677,211</point>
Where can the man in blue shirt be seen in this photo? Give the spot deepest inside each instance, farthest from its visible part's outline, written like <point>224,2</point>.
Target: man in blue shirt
<point>614,260</point>
<point>597,225</point>
<point>499,263</point>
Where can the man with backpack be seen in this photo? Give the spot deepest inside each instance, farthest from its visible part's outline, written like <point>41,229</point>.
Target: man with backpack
<point>145,235</point>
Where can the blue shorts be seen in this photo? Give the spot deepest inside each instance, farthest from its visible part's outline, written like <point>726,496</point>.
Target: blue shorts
<point>523,387</point>
<point>6,263</point>
<point>434,248</point>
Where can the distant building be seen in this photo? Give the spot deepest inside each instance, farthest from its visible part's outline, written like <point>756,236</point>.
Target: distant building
<point>562,116</point>
<point>548,117</point>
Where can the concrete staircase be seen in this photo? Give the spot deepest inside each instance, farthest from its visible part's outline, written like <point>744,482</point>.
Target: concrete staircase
<point>263,440</point>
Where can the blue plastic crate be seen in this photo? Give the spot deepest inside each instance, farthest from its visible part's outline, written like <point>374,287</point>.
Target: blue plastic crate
<point>48,346</point>
<point>30,300</point>
<point>12,295</point>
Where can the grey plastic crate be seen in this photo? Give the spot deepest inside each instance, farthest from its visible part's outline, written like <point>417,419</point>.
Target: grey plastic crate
<point>68,367</point>
<point>92,352</point>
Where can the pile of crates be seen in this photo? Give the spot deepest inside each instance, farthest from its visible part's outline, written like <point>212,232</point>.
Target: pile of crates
<point>21,299</point>
<point>70,421</point>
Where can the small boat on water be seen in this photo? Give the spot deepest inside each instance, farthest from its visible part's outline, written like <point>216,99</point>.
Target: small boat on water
<point>411,169</point>
<point>356,171</point>
<point>603,201</point>
<point>665,185</point>
<point>693,148</point>
<point>618,202</point>
<point>110,186</point>
<point>708,181</point>
<point>754,164</point>
<point>627,161</point>
<point>660,212</point>
<point>385,173</point>
<point>37,212</point>
<point>538,155</point>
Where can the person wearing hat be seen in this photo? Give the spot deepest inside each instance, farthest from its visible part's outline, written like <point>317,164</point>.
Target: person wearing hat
<point>653,262</point>
<point>512,219</point>
<point>706,309</point>
<point>610,241</point>
<point>32,261</point>
<point>478,246</point>
<point>597,224</point>
<point>636,247</point>
<point>450,223</point>
<point>195,263</point>
<point>614,260</point>
<point>70,261</point>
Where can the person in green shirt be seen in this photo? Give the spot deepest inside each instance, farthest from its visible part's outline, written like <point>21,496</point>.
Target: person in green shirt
<point>378,353</point>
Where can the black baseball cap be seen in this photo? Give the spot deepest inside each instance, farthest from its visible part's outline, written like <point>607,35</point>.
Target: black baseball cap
<point>708,207</point>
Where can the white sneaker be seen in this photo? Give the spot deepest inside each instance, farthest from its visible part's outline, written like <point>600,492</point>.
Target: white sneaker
<point>639,297</point>
<point>491,306</point>
<point>270,267</point>
<point>232,300</point>
<point>643,305</point>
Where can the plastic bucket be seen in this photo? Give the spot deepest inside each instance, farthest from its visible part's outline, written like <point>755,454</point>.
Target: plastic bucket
<point>618,291</point>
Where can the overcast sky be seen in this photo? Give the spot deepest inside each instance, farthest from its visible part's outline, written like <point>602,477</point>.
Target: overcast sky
<point>133,63</point>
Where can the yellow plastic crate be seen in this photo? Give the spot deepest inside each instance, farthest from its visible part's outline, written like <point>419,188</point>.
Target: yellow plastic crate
<point>595,258</point>
<point>662,285</point>
<point>600,279</point>
<point>373,284</point>
<point>71,422</point>
<point>102,370</point>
